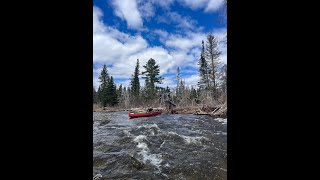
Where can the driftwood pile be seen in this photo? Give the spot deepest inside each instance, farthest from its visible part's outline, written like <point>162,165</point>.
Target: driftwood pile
<point>215,111</point>
<point>220,111</point>
<point>107,109</point>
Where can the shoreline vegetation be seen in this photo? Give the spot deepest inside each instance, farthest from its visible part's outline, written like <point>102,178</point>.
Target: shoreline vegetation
<point>218,111</point>
<point>209,97</point>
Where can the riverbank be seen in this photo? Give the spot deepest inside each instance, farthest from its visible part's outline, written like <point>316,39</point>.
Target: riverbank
<point>213,111</point>
<point>109,109</point>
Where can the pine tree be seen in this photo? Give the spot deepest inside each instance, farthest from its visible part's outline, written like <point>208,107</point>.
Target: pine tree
<point>194,95</point>
<point>212,53</point>
<point>152,70</point>
<point>135,84</point>
<point>104,80</point>
<point>203,70</point>
<point>112,96</point>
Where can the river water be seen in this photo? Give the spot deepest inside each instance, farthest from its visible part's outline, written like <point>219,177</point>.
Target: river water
<point>168,146</point>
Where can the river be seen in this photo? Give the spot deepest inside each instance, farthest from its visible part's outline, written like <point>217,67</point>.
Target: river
<point>168,146</point>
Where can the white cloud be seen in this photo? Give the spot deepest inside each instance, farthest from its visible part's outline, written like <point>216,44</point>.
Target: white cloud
<point>109,44</point>
<point>171,81</point>
<point>125,83</point>
<point>120,52</point>
<point>192,80</point>
<point>194,4</point>
<point>213,5</point>
<point>146,8</point>
<point>191,43</point>
<point>132,11</point>
<point>163,3</point>
<point>185,42</point>
<point>163,34</point>
<point>185,23</point>
<point>128,10</point>
<point>108,48</point>
<point>207,5</point>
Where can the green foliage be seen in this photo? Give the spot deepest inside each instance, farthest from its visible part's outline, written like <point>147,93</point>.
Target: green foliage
<point>135,84</point>
<point>107,90</point>
<point>111,91</point>
<point>104,79</point>
<point>152,70</point>
<point>203,70</point>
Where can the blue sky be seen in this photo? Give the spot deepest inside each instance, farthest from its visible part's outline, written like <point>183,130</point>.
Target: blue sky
<point>169,31</point>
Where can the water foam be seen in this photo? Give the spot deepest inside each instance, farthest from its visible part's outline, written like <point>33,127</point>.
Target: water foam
<point>223,121</point>
<point>149,126</point>
<point>162,144</point>
<point>189,139</point>
<point>173,133</point>
<point>220,133</point>
<point>193,140</point>
<point>154,159</point>
<point>140,138</point>
<point>127,133</point>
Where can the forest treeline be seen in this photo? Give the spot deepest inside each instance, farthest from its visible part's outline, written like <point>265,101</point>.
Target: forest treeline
<point>210,90</point>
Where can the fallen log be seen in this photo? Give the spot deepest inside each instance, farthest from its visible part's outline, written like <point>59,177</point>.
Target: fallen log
<point>221,112</point>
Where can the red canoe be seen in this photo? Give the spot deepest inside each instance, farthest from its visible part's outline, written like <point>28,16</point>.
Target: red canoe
<point>136,115</point>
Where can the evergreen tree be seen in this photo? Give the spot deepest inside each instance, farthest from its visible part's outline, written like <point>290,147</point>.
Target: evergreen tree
<point>182,89</point>
<point>104,80</point>
<point>178,77</point>
<point>120,91</point>
<point>194,95</point>
<point>212,53</point>
<point>167,89</point>
<point>135,84</point>
<point>178,89</point>
<point>152,70</point>
<point>112,96</point>
<point>203,70</point>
